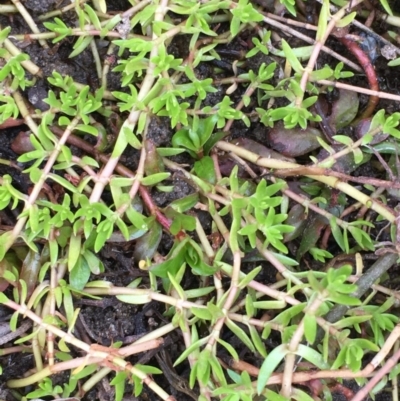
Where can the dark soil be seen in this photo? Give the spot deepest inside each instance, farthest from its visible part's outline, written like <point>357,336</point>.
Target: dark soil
<point>110,321</point>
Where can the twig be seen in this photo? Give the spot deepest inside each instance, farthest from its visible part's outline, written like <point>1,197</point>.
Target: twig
<point>96,58</point>
<point>380,38</point>
<point>315,170</point>
<point>7,335</point>
<point>307,39</point>
<point>27,64</point>
<point>330,181</point>
<point>134,114</point>
<point>60,11</point>
<point>121,169</point>
<point>382,95</point>
<point>292,22</point>
<point>29,20</point>
<point>301,377</point>
<point>11,122</point>
<point>38,186</point>
<point>106,65</point>
<point>390,364</point>
<point>7,9</point>
<point>318,46</point>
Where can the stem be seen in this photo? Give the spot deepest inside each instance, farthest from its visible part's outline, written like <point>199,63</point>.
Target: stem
<point>134,115</point>
<point>29,20</point>
<point>330,181</point>
<point>39,185</point>
<point>106,65</point>
<point>390,364</point>
<point>121,169</point>
<point>382,95</point>
<point>233,290</point>
<point>20,102</point>
<point>293,345</point>
<point>365,63</point>
<point>307,39</point>
<point>96,354</point>
<point>364,283</point>
<point>318,46</point>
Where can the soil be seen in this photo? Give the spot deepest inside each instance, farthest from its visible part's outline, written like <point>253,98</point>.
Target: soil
<point>110,321</point>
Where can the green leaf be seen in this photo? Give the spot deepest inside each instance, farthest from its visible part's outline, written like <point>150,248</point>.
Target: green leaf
<point>174,261</point>
<point>94,263</point>
<point>199,292</point>
<point>88,129</point>
<point>338,235</point>
<point>3,298</point>
<point>4,33</point>
<point>80,45</point>
<point>272,396</point>
<point>234,27</point>
<point>348,19</point>
<point>269,365</point>
<point>386,6</point>
<point>291,57</point>
<point>217,370</point>
<point>229,348</point>
<point>313,356</point>
<point>204,168</point>
<point>195,259</point>
<point>258,343</point>
<point>119,383</point>
<point>180,221</point>
<point>79,275</point>
<point>352,321</point>
<point>166,152</point>
<point>249,277</point>
<point>191,349</point>
<point>175,284</point>
<point>300,395</point>
<point>240,333</point>
<point>74,250</point>
<point>323,21</point>
<point>182,205</point>
<point>201,313</point>
<point>63,182</point>
<point>394,63</point>
<point>140,298</point>
<point>203,366</point>
<point>146,246</point>
<point>344,299</point>
<point>154,179</point>
<point>343,139</point>
<point>310,328</point>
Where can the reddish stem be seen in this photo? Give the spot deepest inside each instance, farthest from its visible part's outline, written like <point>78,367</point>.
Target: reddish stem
<point>370,73</point>
<point>384,370</point>
<point>11,122</point>
<point>153,209</point>
<point>147,199</point>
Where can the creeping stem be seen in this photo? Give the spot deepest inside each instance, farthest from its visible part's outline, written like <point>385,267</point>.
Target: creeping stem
<point>370,73</point>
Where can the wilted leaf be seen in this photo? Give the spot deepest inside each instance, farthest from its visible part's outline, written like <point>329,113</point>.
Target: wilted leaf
<point>293,142</point>
<point>344,110</point>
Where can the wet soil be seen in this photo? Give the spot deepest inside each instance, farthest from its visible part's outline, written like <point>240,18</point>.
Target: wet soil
<point>110,320</point>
